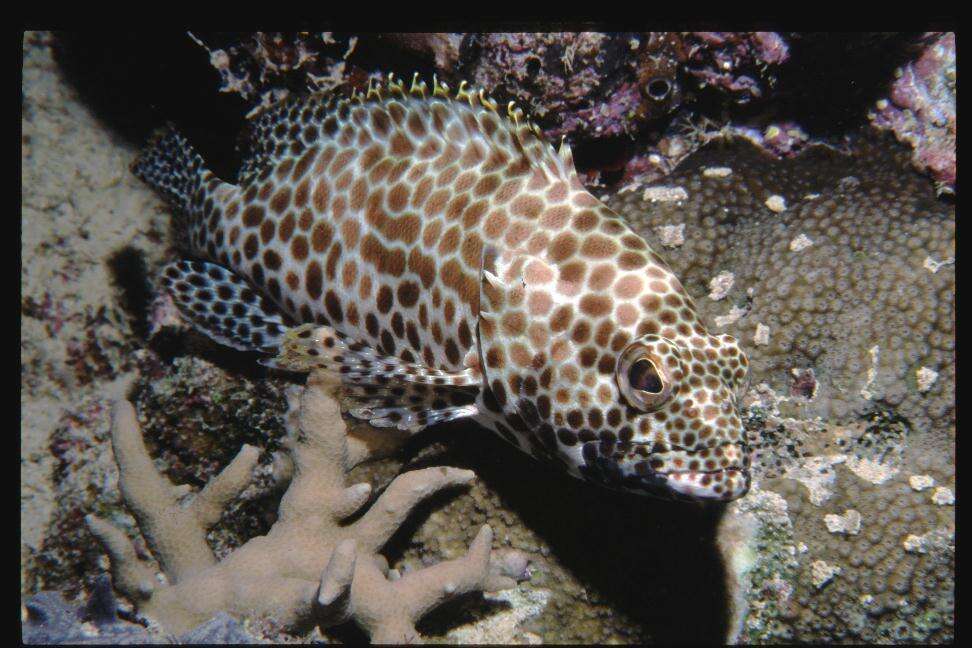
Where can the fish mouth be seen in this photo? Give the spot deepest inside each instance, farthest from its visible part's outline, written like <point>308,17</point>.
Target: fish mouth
<point>720,472</point>
<point>722,484</point>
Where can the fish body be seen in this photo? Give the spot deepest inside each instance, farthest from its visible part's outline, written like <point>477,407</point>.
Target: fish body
<point>448,263</point>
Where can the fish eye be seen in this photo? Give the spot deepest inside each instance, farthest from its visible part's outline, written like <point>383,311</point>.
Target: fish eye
<point>643,379</point>
<point>644,376</point>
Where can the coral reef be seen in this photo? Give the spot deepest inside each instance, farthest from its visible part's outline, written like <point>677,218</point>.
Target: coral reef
<point>837,271</point>
<point>845,543</point>
<point>920,109</point>
<point>831,254</point>
<point>262,65</point>
<point>687,135</point>
<point>314,565</point>
<point>836,249</point>
<point>740,63</point>
<point>585,85</point>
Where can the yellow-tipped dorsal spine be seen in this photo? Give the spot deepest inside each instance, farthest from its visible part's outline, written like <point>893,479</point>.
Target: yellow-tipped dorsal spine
<point>513,112</point>
<point>418,86</point>
<point>374,90</point>
<point>463,94</point>
<point>439,89</point>
<point>395,86</point>
<point>487,102</point>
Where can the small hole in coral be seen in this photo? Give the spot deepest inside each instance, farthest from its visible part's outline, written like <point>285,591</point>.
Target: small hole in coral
<point>659,89</point>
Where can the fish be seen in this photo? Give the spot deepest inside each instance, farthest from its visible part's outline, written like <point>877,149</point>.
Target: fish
<point>433,251</point>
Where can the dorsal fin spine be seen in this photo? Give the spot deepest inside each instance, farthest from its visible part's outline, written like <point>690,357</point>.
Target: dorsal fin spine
<point>523,129</point>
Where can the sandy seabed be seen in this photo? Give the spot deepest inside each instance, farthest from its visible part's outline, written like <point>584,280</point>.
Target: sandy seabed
<point>80,207</point>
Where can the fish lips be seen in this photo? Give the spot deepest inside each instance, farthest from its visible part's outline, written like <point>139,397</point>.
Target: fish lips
<point>719,473</point>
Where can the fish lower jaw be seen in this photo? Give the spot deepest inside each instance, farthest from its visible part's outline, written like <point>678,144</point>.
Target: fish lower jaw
<point>721,484</point>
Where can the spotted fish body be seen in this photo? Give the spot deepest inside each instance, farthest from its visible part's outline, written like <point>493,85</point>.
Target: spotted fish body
<point>448,263</point>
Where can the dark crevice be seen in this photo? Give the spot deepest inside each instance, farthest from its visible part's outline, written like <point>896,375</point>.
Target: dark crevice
<point>653,562</point>
<point>129,272</point>
<point>136,82</point>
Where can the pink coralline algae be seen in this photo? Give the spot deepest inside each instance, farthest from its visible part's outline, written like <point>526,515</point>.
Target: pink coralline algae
<point>741,63</point>
<point>921,109</point>
<point>580,85</point>
<point>261,63</point>
<point>586,84</point>
<point>594,85</point>
<point>784,139</point>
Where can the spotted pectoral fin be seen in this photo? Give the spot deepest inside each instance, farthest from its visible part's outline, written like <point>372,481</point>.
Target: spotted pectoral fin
<point>519,351</point>
<point>314,347</point>
<point>385,391</point>
<point>224,306</point>
<point>411,406</point>
<point>515,301</point>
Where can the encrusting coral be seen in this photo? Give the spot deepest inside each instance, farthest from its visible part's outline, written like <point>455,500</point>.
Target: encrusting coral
<point>313,566</point>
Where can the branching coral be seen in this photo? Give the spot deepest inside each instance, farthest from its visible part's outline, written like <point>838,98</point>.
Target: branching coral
<point>314,566</point>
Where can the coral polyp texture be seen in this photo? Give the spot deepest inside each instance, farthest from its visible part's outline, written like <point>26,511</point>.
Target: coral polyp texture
<point>834,255</point>
<point>314,566</point>
<point>837,271</point>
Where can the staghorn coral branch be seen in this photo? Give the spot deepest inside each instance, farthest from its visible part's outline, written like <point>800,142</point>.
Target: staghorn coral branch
<point>429,587</point>
<point>131,576</point>
<point>321,443</point>
<point>349,501</point>
<point>175,534</point>
<point>388,610</point>
<point>334,592</point>
<point>310,567</point>
<point>212,500</point>
<point>402,495</point>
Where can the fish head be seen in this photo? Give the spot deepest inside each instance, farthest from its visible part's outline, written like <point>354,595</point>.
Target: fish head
<point>659,418</point>
<point>604,367</point>
<point>680,399</point>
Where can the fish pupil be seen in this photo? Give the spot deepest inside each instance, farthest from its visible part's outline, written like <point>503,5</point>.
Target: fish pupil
<point>643,376</point>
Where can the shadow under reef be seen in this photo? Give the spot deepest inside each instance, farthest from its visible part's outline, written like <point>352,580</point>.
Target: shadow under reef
<point>651,561</point>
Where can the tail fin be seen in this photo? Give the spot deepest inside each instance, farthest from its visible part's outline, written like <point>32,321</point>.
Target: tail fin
<point>174,169</point>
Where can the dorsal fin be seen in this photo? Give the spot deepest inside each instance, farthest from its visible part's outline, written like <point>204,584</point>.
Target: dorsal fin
<point>260,139</point>
<point>273,128</point>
